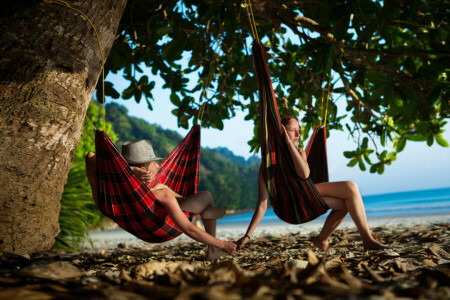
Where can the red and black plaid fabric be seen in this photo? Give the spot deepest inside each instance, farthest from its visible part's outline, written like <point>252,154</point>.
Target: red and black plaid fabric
<point>316,152</point>
<point>179,171</point>
<point>294,200</point>
<point>129,202</point>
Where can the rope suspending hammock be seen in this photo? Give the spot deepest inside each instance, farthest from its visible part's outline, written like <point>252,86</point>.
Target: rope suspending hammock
<point>125,199</point>
<point>316,150</point>
<point>294,200</point>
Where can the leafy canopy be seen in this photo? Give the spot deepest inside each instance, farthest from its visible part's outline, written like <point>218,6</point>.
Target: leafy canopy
<point>388,60</point>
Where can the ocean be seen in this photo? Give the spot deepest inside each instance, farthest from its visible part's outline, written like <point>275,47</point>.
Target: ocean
<point>414,207</point>
<point>423,202</point>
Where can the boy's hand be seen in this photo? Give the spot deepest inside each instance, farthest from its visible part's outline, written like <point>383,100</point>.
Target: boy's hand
<point>144,176</point>
<point>230,248</point>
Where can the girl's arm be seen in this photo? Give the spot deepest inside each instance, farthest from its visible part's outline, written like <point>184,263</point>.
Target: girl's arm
<point>303,154</point>
<point>300,163</point>
<point>260,210</point>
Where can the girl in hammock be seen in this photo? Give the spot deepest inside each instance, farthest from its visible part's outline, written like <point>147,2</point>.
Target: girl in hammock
<point>140,155</point>
<point>342,197</point>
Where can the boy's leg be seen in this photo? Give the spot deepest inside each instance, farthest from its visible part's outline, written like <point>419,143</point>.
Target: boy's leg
<point>91,172</point>
<point>166,198</point>
<point>202,203</point>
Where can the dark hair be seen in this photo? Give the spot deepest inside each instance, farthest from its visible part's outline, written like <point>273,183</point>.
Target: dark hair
<point>286,118</point>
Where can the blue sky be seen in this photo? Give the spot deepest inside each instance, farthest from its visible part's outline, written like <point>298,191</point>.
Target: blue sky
<point>417,167</point>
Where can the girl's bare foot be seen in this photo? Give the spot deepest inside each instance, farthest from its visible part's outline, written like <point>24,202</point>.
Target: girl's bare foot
<point>213,253</point>
<point>324,245</point>
<point>373,245</point>
<point>212,213</point>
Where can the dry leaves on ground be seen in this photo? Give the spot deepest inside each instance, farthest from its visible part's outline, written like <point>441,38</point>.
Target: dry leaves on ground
<point>416,266</point>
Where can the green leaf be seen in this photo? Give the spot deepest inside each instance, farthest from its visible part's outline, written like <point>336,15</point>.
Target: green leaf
<point>367,159</point>
<point>365,143</point>
<point>391,156</point>
<point>381,169</point>
<point>430,140</point>
<point>128,93</point>
<point>349,154</point>
<point>361,164</point>
<point>398,102</point>
<point>352,163</point>
<point>383,138</point>
<point>137,95</point>
<point>163,30</point>
<point>401,143</point>
<point>290,76</point>
<point>440,140</point>
<point>175,99</point>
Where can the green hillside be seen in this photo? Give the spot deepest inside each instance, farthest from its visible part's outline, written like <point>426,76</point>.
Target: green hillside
<point>231,179</point>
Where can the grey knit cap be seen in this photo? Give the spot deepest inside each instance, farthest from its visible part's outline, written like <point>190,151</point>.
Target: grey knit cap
<point>138,152</point>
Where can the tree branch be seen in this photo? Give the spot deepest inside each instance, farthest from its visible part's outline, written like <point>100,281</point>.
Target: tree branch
<point>402,77</point>
<point>417,53</point>
<point>354,96</point>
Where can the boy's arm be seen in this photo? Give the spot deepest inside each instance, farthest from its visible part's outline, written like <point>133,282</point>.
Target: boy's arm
<point>160,186</point>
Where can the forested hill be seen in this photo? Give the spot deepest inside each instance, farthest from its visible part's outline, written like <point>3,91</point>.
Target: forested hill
<point>231,179</point>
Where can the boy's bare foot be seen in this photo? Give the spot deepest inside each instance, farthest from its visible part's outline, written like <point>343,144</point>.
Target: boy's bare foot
<point>323,245</point>
<point>212,213</point>
<point>373,245</point>
<point>91,172</point>
<point>213,253</point>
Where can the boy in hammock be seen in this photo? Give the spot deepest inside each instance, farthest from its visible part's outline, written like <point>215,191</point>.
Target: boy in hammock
<point>141,157</point>
<point>342,197</point>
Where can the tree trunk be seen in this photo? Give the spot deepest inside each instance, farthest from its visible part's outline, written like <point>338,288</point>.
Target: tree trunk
<point>49,66</point>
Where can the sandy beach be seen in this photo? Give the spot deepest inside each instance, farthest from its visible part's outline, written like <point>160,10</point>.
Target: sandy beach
<point>111,238</point>
<point>278,263</point>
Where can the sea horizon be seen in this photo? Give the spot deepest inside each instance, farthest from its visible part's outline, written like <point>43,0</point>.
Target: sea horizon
<point>408,203</point>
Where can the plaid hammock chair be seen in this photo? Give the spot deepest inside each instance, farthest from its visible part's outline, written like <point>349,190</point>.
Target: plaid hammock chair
<point>129,202</point>
<point>294,200</point>
<point>316,153</point>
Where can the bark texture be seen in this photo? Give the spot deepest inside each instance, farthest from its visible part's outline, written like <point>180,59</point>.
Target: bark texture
<point>49,66</point>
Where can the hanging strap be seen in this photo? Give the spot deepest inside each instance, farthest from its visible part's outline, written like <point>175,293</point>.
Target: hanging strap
<point>324,114</point>
<point>251,18</point>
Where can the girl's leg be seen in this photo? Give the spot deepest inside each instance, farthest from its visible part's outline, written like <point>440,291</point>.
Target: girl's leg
<point>333,221</point>
<point>345,195</point>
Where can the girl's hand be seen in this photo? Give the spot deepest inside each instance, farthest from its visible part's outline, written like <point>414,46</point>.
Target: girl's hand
<point>286,136</point>
<point>241,242</point>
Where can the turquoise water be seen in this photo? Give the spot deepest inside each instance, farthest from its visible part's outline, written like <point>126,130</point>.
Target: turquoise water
<point>424,202</point>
